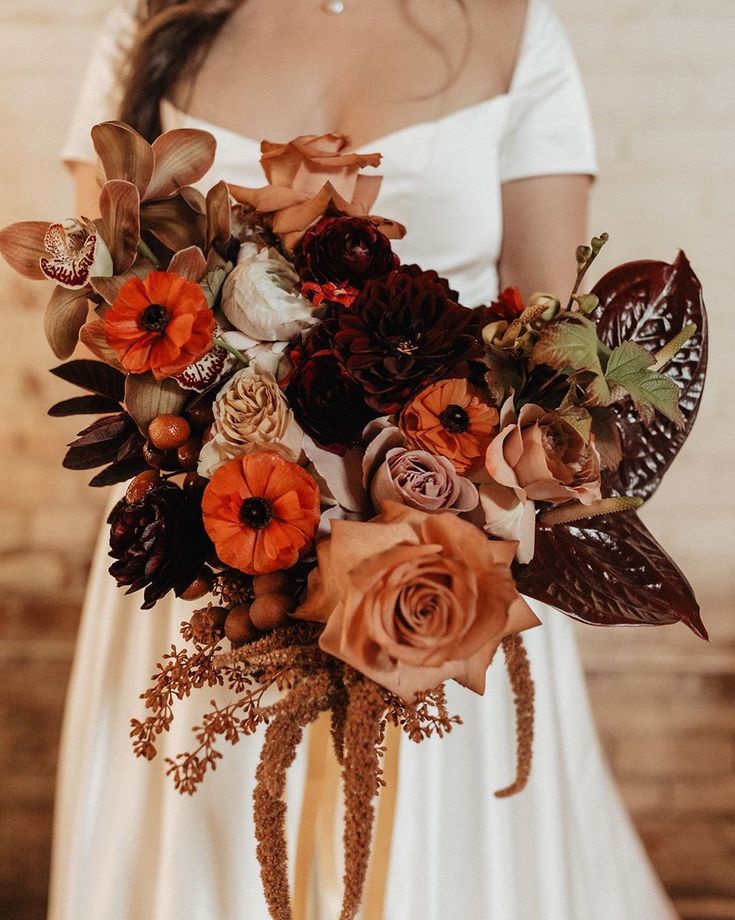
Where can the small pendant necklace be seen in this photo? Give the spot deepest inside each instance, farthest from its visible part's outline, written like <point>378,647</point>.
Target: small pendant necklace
<point>333,6</point>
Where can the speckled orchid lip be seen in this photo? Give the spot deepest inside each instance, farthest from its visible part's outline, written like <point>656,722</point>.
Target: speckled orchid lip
<point>75,253</point>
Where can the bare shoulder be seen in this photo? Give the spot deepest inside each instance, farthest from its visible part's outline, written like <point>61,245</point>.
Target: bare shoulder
<point>498,27</point>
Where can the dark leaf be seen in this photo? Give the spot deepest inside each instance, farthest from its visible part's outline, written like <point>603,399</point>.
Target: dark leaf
<point>95,376</point>
<point>649,303</point>
<point>111,428</point>
<point>83,405</point>
<point>609,571</point>
<point>119,472</point>
<point>87,458</point>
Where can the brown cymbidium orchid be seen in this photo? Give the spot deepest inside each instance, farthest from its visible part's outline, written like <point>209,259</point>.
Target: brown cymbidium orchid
<point>311,176</point>
<point>145,189</point>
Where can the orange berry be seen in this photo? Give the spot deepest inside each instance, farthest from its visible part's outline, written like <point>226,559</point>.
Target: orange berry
<point>271,610</point>
<point>188,454</point>
<point>201,585</point>
<point>142,484</point>
<point>167,432</point>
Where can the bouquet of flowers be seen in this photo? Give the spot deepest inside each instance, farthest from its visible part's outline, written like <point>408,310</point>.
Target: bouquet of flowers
<point>359,478</point>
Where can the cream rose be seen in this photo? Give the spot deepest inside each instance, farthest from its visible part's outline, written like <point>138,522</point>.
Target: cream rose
<point>413,599</point>
<point>261,296</point>
<point>250,413</point>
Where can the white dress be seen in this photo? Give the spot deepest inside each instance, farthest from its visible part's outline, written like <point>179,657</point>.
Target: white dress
<point>128,847</point>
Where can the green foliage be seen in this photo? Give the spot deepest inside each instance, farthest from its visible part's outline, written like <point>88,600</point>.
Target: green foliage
<point>629,367</point>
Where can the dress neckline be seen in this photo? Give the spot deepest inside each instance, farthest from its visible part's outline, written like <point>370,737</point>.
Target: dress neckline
<point>182,117</point>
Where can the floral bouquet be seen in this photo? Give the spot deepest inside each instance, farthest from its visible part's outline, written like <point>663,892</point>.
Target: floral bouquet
<point>360,479</point>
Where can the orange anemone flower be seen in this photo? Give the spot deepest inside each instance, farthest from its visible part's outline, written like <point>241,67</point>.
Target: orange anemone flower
<point>261,511</point>
<point>161,324</point>
<point>450,418</point>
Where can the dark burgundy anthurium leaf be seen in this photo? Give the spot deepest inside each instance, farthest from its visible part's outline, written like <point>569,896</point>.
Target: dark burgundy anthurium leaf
<point>649,303</point>
<point>609,571</point>
<point>95,376</point>
<point>83,405</point>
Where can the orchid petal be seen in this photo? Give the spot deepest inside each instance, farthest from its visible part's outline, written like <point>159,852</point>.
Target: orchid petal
<point>174,222</point>
<point>65,316</point>
<point>181,157</point>
<point>219,215</point>
<point>189,263</point>
<point>120,210</point>
<point>21,245</point>
<point>92,336</point>
<point>146,397</point>
<point>124,154</point>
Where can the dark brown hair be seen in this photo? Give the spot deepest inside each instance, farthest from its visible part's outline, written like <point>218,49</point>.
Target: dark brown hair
<point>172,40</point>
<point>171,43</point>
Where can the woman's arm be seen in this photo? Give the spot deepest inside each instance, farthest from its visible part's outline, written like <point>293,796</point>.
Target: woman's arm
<point>544,220</point>
<point>86,190</point>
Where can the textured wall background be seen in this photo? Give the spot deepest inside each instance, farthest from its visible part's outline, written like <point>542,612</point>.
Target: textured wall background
<point>660,80</point>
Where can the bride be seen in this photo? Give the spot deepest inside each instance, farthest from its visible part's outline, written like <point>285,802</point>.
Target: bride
<point>477,108</point>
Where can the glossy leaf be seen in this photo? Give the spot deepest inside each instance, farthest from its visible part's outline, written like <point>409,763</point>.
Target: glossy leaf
<point>124,154</point>
<point>649,303</point>
<point>93,376</point>
<point>146,397</point>
<point>120,209</point>
<point>65,315</point>
<point>21,245</point>
<point>609,571</point>
<point>182,157</point>
<point>83,405</point>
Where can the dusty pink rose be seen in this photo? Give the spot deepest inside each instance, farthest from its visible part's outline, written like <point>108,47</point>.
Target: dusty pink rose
<point>538,455</point>
<point>412,599</point>
<point>417,478</point>
<point>541,452</point>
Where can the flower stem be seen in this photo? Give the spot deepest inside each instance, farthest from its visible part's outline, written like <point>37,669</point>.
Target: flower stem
<point>223,343</point>
<point>145,250</point>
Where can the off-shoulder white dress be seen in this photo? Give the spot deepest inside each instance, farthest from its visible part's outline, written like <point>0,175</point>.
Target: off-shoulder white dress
<point>128,847</point>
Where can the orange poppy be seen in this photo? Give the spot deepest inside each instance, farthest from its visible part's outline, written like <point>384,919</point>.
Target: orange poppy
<point>450,418</point>
<point>261,511</point>
<point>161,324</point>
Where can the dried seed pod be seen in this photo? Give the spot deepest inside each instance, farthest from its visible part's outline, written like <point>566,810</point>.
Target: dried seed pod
<point>273,583</point>
<point>208,622</point>
<point>271,610</point>
<point>239,627</point>
<point>200,415</point>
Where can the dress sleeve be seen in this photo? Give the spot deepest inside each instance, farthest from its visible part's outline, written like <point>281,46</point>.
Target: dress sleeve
<point>549,129</point>
<point>100,94</point>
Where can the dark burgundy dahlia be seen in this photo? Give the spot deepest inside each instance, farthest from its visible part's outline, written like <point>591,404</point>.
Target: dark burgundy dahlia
<point>403,332</point>
<point>327,404</point>
<point>158,542</point>
<point>344,251</point>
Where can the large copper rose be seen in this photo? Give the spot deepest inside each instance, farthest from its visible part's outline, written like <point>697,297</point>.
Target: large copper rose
<point>310,176</point>
<point>413,599</point>
<point>402,332</point>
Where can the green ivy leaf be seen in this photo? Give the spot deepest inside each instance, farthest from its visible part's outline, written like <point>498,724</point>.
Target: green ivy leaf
<point>629,367</point>
<point>570,344</point>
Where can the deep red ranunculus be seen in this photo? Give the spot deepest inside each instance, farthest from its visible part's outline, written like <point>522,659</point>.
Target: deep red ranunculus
<point>508,306</point>
<point>403,332</point>
<point>326,402</point>
<point>344,251</point>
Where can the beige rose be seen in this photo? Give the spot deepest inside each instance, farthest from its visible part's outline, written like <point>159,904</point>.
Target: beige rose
<point>250,413</point>
<point>413,599</point>
<point>309,176</point>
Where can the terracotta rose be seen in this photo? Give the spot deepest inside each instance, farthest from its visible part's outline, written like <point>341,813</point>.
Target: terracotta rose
<point>311,176</point>
<point>413,599</point>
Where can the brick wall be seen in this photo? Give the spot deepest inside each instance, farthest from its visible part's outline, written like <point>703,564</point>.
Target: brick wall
<point>660,76</point>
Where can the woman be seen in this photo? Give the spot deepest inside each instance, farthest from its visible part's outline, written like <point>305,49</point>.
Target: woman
<point>479,114</point>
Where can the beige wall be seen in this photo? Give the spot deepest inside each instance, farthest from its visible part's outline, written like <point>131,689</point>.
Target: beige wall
<point>660,79</point>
